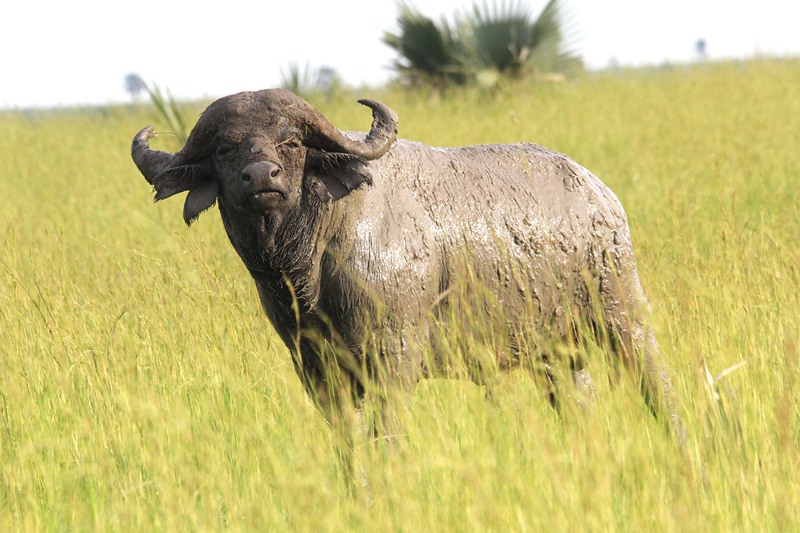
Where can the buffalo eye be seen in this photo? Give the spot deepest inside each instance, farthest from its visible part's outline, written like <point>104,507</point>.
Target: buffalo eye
<point>290,141</point>
<point>225,151</point>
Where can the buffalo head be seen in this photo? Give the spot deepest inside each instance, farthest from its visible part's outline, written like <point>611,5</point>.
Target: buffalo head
<point>260,152</point>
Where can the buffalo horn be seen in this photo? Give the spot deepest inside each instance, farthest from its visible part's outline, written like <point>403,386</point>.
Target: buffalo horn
<point>150,162</point>
<point>379,139</point>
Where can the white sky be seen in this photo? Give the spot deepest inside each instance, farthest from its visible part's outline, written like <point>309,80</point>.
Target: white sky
<point>55,52</point>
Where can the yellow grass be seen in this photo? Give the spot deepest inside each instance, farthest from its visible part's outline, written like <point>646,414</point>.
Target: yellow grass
<point>142,388</point>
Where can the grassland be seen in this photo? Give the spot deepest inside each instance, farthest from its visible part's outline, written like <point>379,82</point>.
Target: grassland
<point>142,389</point>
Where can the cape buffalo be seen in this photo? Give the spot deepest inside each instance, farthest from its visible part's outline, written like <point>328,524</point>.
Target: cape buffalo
<point>357,242</point>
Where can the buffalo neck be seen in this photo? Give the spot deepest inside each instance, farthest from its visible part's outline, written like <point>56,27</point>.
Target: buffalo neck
<point>282,253</point>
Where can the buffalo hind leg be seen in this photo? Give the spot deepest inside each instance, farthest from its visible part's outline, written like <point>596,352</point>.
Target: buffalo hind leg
<point>635,345</point>
<point>642,354</point>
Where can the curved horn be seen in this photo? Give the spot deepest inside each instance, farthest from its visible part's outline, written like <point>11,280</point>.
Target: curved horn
<point>379,139</point>
<point>150,162</point>
<point>170,173</point>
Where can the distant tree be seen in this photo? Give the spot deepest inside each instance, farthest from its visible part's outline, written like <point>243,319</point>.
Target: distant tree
<point>701,49</point>
<point>135,85</point>
<point>327,80</point>
<point>484,44</point>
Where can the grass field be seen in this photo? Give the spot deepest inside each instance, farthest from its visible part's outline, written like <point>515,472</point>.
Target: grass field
<point>141,388</point>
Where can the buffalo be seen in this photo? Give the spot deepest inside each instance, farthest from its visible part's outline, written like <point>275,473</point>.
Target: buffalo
<point>360,244</point>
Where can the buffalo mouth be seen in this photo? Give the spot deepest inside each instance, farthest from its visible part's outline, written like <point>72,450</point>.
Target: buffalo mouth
<point>265,199</point>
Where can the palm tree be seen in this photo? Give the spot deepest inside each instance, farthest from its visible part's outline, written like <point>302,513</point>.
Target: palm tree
<point>428,52</point>
<point>501,39</point>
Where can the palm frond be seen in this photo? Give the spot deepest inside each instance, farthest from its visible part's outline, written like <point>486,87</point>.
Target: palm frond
<point>297,79</point>
<point>550,50</point>
<point>502,35</point>
<point>168,109</point>
<point>306,80</point>
<point>425,48</point>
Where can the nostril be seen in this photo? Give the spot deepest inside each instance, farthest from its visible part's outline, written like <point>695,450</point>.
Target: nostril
<point>256,173</point>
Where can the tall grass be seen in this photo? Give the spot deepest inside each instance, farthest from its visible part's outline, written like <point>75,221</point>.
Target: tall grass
<point>142,388</point>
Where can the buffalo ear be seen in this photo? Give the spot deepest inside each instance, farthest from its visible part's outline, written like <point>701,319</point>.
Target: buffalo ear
<point>198,178</point>
<point>334,176</point>
<point>181,178</point>
<point>199,199</point>
<point>320,189</point>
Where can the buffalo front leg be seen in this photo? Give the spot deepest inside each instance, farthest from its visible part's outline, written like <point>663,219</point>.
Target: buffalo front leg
<point>339,399</point>
<point>582,394</point>
<point>584,387</point>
